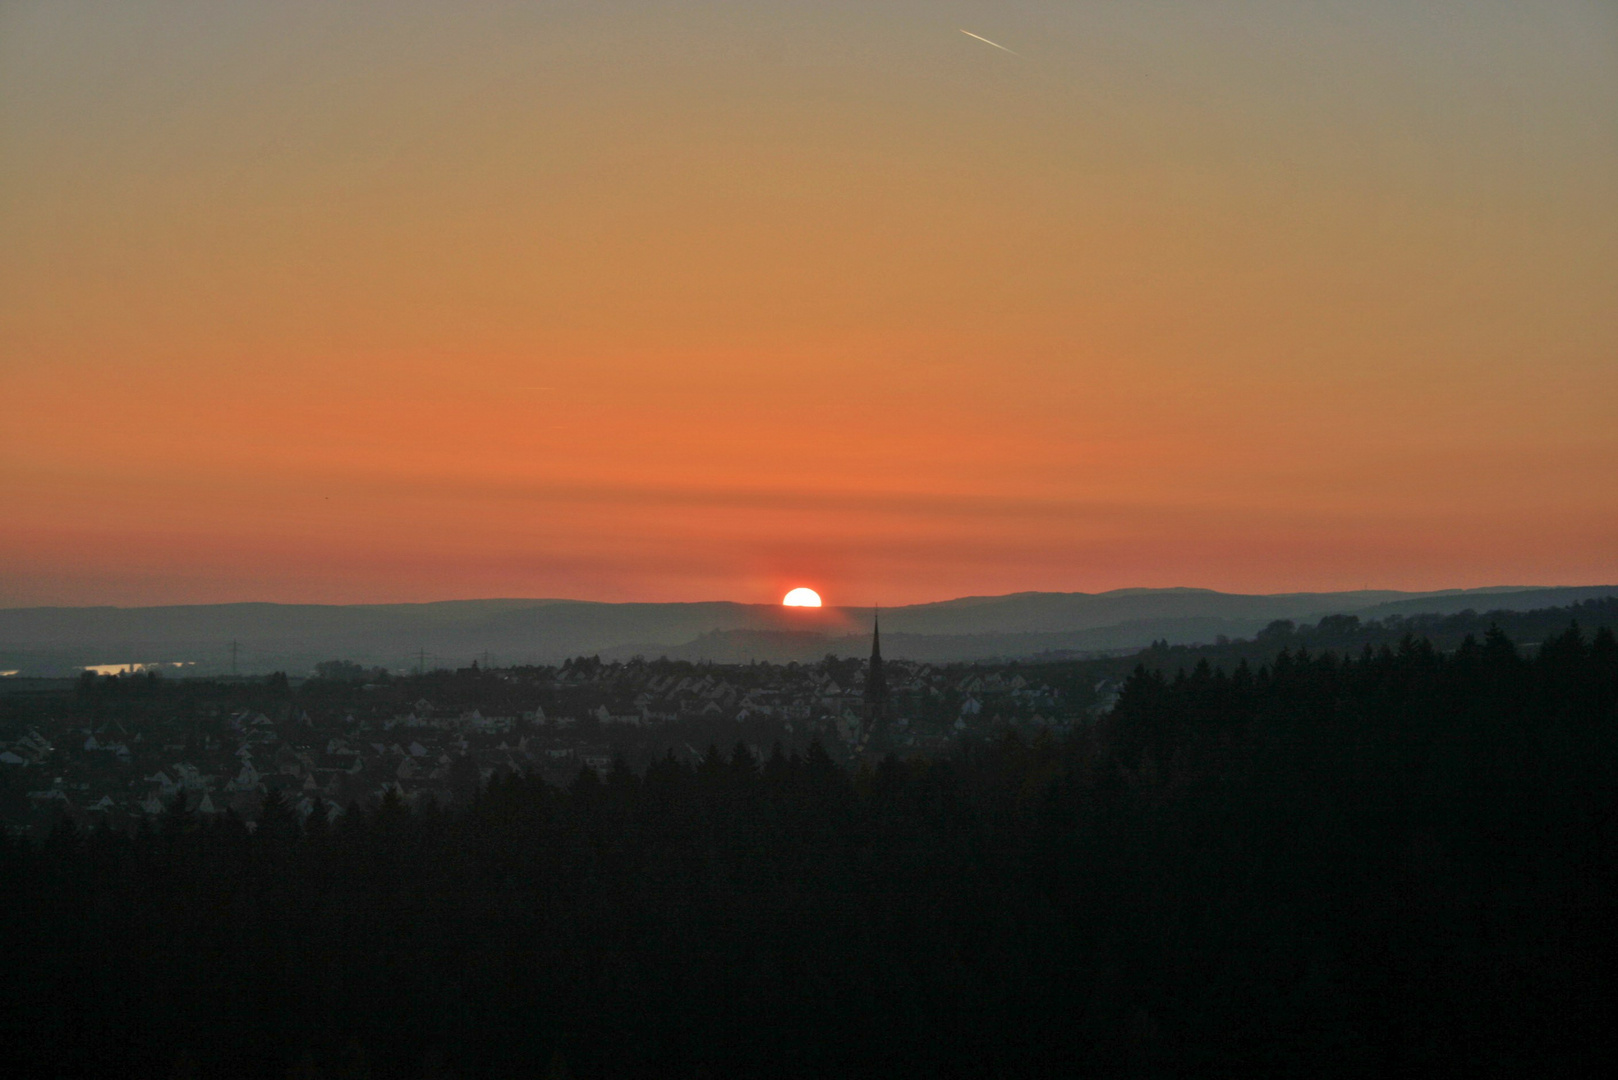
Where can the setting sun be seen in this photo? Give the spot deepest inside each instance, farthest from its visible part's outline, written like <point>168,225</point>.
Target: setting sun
<point>801,598</point>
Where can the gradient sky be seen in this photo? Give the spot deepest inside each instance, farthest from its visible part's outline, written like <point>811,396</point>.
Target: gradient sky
<point>408,301</point>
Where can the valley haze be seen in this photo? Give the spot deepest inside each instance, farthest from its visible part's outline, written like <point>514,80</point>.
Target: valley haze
<point>59,641</point>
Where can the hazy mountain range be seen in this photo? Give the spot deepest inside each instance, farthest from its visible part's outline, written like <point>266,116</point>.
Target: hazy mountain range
<point>294,637</point>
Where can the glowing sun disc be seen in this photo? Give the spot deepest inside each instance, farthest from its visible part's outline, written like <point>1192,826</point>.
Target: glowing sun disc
<point>801,598</point>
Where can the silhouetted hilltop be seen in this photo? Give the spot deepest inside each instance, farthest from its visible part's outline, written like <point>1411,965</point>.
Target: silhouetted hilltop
<point>294,637</point>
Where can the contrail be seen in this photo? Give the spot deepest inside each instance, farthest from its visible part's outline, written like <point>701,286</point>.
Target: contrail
<point>986,41</point>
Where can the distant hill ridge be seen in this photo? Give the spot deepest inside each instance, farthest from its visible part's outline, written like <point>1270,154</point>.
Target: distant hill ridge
<point>294,637</point>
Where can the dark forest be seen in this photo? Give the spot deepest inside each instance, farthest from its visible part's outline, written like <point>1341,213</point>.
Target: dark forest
<point>1398,861</point>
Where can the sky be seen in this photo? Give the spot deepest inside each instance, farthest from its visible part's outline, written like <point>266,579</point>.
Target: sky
<point>404,301</point>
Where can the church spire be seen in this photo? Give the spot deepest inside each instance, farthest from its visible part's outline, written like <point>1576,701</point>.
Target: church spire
<point>876,680</point>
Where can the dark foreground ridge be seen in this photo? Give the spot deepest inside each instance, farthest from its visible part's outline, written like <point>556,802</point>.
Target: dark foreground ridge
<point>1397,863</point>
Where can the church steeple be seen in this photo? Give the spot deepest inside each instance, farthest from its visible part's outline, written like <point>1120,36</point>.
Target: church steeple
<point>876,680</point>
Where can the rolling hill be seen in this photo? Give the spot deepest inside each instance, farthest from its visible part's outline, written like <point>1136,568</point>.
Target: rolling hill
<point>294,637</point>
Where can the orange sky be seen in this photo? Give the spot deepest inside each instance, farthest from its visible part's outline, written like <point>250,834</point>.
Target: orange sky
<point>364,302</point>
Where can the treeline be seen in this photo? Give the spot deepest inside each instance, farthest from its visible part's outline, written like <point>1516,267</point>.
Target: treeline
<point>1396,862</point>
<point>1350,632</point>
<point>1335,633</point>
<point>145,697</point>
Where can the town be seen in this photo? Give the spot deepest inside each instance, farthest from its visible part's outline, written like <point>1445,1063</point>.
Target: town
<point>116,750</point>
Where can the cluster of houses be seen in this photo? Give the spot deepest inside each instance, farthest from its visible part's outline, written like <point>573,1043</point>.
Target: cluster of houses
<point>327,749</point>
<point>98,772</point>
<point>803,694</point>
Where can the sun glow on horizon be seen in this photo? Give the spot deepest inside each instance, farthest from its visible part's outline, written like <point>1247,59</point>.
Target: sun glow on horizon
<point>801,598</point>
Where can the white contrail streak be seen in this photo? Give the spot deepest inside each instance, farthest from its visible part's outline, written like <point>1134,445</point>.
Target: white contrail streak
<point>986,41</point>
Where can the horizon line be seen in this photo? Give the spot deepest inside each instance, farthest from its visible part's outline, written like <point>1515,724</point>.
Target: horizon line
<point>542,600</point>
